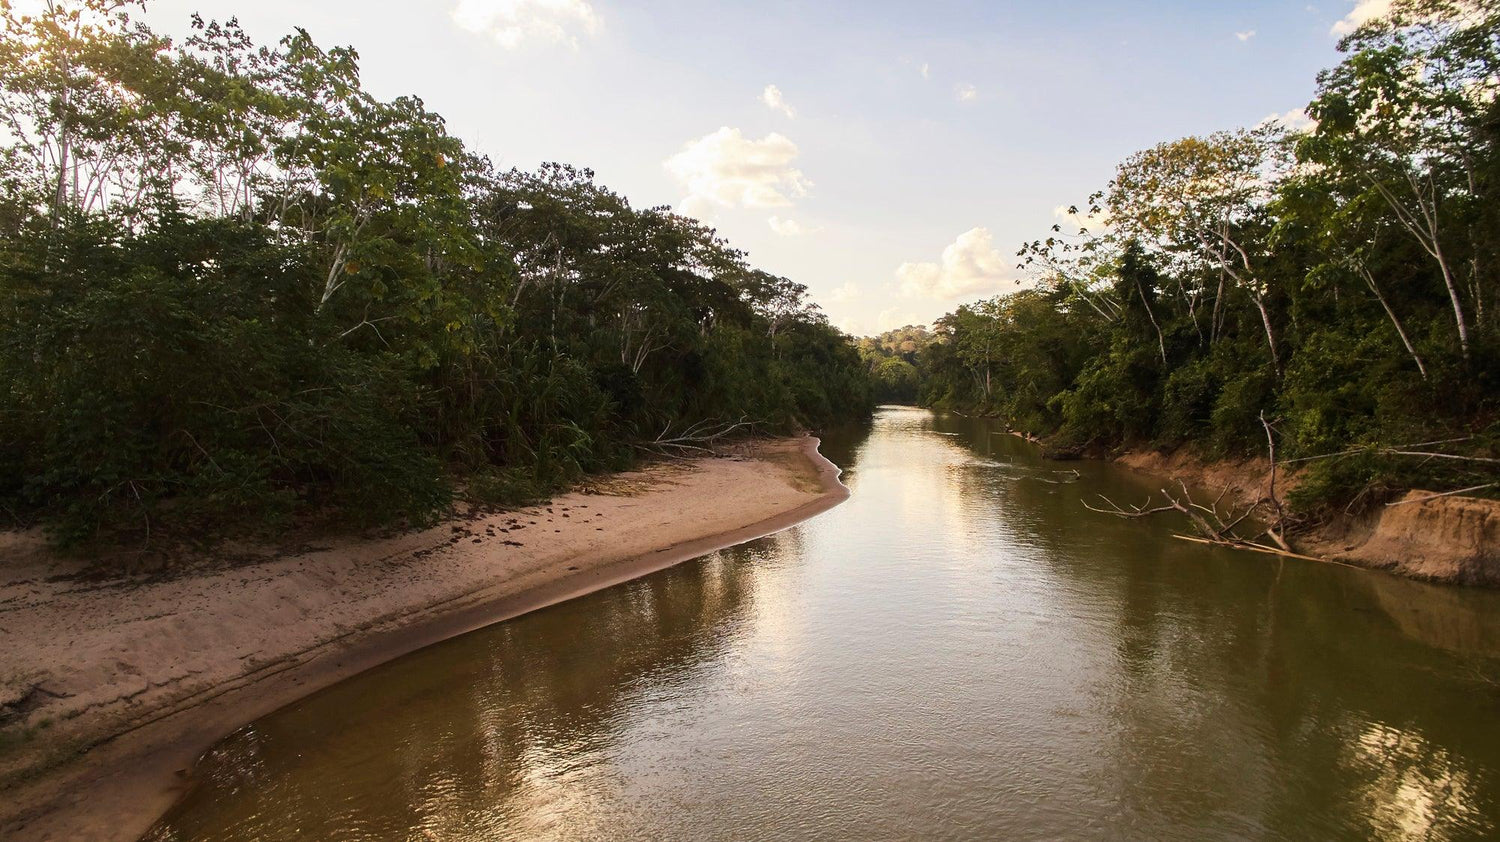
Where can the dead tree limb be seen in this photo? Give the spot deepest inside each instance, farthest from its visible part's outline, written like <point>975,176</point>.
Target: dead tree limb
<point>1206,520</point>
<point>697,439</point>
<point>1445,494</point>
<point>1278,522</point>
<point>1214,527</point>
<point>1258,548</point>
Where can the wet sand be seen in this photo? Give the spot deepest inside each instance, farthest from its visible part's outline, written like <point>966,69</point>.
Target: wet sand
<point>121,686</point>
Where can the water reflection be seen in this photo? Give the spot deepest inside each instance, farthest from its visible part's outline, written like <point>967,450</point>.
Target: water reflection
<point>961,651</point>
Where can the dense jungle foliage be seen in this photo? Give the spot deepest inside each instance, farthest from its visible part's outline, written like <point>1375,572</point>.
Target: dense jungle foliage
<point>1339,279</point>
<point>236,290</point>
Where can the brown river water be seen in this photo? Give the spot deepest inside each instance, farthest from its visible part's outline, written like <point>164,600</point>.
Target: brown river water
<point>961,651</point>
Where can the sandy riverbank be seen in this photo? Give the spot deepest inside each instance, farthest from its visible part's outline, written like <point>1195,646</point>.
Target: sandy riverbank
<point>113,689</point>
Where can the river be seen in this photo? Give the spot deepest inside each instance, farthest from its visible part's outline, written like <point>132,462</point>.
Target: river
<point>960,651</point>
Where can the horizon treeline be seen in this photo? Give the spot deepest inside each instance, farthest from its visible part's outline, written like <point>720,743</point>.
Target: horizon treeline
<point>237,291</point>
<point>1339,281</point>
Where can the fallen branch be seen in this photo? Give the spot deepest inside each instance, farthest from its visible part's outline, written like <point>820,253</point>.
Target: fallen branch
<point>1393,450</point>
<point>1205,519</point>
<point>1276,524</point>
<point>1262,548</point>
<point>1215,528</point>
<point>1432,455</point>
<point>1444,494</point>
<point>697,439</point>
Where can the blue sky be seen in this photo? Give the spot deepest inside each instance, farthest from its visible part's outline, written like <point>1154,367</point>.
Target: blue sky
<point>914,145</point>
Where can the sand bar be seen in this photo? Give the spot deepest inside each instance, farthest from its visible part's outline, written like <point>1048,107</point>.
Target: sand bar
<point>116,688</point>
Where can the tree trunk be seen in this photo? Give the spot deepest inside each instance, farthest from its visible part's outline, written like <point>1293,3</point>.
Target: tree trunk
<point>1453,296</point>
<point>64,145</point>
<point>1396,322</point>
<point>1161,342</point>
<point>1215,318</point>
<point>1265,320</point>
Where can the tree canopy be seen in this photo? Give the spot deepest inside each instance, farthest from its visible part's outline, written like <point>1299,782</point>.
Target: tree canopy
<point>1339,281</point>
<point>237,290</point>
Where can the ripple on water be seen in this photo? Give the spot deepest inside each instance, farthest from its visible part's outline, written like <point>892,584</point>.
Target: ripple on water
<point>961,651</point>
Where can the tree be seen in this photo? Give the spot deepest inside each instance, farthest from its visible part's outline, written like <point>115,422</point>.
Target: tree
<point>780,301</point>
<point>1205,199</point>
<point>1400,116</point>
<point>71,79</point>
<point>238,290</point>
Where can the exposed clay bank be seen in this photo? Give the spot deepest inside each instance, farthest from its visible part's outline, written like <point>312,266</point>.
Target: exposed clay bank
<point>1450,540</point>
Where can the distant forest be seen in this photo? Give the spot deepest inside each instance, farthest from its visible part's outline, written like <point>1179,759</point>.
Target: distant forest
<point>237,291</point>
<point>1331,287</point>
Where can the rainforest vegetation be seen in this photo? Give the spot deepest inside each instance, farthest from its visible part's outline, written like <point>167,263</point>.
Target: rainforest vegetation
<point>237,290</point>
<point>1339,280</point>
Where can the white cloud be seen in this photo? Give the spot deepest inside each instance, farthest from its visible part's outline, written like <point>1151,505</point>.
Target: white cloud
<point>774,100</point>
<point>1363,12</point>
<point>926,70</point>
<point>513,23</point>
<point>727,169</point>
<point>1295,121</point>
<point>786,227</point>
<point>966,93</point>
<point>970,264</point>
<point>895,317</point>
<point>699,207</point>
<point>1245,36</point>
<point>848,292</point>
<point>888,319</point>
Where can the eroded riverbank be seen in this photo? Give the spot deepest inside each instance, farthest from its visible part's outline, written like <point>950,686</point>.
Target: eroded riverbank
<point>120,686</point>
<point>1451,540</point>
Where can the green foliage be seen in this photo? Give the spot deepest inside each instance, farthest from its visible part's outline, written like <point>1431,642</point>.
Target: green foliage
<point>1342,283</point>
<point>892,359</point>
<point>236,291</point>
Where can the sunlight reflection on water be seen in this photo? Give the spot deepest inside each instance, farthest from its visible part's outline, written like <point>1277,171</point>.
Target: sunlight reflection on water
<point>961,651</point>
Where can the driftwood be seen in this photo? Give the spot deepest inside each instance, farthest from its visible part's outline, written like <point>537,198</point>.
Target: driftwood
<point>1260,548</point>
<point>1219,526</point>
<point>1223,529</point>
<point>1215,527</point>
<point>697,439</point>
<point>1469,490</point>
<point>1069,477</point>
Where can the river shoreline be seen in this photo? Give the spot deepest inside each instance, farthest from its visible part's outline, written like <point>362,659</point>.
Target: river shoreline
<point>1424,535</point>
<point>136,682</point>
<point>1447,540</point>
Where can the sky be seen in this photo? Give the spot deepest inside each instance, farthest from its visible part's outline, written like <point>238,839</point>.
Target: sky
<point>892,156</point>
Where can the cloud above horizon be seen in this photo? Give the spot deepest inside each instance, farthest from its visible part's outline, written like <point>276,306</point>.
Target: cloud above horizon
<point>848,292</point>
<point>1363,12</point>
<point>516,23</point>
<point>727,169</point>
<point>1295,121</point>
<point>774,100</point>
<point>892,318</point>
<point>786,227</point>
<point>970,264</point>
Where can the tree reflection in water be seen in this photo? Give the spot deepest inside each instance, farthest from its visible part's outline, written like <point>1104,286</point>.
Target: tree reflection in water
<point>961,650</point>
